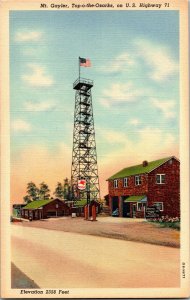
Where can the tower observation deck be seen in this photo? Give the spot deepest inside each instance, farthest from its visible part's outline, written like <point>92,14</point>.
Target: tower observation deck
<point>84,156</point>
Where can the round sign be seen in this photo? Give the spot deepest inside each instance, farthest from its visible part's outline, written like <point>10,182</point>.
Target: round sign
<point>82,184</point>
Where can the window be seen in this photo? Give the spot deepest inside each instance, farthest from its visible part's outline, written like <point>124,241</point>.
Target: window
<point>141,206</point>
<point>115,183</point>
<point>159,205</point>
<point>160,178</point>
<point>137,180</point>
<point>125,182</point>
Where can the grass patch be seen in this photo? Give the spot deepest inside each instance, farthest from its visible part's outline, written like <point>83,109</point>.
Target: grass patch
<point>173,225</point>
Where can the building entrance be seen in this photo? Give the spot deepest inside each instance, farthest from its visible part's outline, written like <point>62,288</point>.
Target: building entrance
<point>115,203</point>
<point>126,210</point>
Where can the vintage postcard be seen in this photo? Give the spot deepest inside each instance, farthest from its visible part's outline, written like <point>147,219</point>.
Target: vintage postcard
<point>94,149</point>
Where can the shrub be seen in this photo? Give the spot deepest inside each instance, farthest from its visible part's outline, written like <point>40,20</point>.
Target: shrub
<point>166,221</point>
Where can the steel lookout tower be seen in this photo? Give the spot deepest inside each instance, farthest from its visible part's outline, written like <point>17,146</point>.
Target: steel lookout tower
<point>84,172</point>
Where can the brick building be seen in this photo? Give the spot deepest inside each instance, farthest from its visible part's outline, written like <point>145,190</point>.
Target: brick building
<point>155,183</point>
<point>42,209</point>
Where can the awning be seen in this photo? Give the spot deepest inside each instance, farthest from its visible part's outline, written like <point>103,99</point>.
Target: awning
<point>141,199</point>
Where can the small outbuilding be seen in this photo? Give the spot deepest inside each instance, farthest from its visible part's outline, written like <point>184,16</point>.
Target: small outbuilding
<point>17,210</point>
<point>42,209</point>
<point>79,206</point>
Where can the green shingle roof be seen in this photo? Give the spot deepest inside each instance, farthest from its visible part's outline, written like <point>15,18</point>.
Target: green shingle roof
<point>37,204</point>
<point>81,203</point>
<point>139,169</point>
<point>134,198</point>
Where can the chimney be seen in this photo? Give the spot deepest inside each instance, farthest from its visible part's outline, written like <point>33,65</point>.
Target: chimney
<point>145,163</point>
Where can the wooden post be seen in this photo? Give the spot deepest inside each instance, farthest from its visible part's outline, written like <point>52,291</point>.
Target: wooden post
<point>86,212</point>
<point>93,212</point>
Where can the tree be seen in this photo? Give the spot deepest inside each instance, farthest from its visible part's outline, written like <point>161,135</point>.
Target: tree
<point>44,191</point>
<point>59,191</point>
<point>70,194</point>
<point>32,191</point>
<point>66,188</point>
<point>63,191</point>
<point>27,199</point>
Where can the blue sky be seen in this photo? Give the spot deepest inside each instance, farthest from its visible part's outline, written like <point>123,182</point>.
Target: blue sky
<point>135,59</point>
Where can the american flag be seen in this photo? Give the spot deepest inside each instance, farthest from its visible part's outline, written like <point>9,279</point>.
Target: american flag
<point>85,62</point>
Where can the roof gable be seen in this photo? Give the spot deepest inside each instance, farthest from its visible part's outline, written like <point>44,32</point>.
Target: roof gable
<point>139,169</point>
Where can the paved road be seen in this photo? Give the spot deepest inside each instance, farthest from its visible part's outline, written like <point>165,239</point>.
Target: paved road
<point>55,259</point>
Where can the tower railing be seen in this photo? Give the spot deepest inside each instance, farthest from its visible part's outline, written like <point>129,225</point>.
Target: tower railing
<point>82,81</point>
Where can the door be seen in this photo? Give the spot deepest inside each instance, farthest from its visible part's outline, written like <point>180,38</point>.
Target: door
<point>126,210</point>
<point>134,210</point>
<point>115,203</point>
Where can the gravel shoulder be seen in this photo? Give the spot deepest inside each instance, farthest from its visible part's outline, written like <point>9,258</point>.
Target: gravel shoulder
<point>117,228</point>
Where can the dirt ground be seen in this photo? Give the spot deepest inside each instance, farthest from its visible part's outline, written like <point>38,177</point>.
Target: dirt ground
<point>109,227</point>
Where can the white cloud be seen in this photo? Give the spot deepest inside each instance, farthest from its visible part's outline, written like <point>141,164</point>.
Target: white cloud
<point>39,106</point>
<point>38,76</point>
<point>30,52</point>
<point>158,59</point>
<point>120,63</point>
<point>155,143</point>
<point>28,36</point>
<point>119,93</point>
<point>134,122</point>
<point>105,102</point>
<point>166,107</point>
<point>111,136</point>
<point>149,144</point>
<point>152,143</point>
<point>21,125</point>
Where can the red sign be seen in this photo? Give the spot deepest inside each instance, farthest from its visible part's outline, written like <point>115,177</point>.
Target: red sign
<point>82,184</point>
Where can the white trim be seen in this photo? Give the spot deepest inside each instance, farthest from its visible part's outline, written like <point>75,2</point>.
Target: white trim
<point>115,183</point>
<point>139,179</point>
<point>160,178</point>
<point>160,202</point>
<point>143,205</point>
<point>125,182</point>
